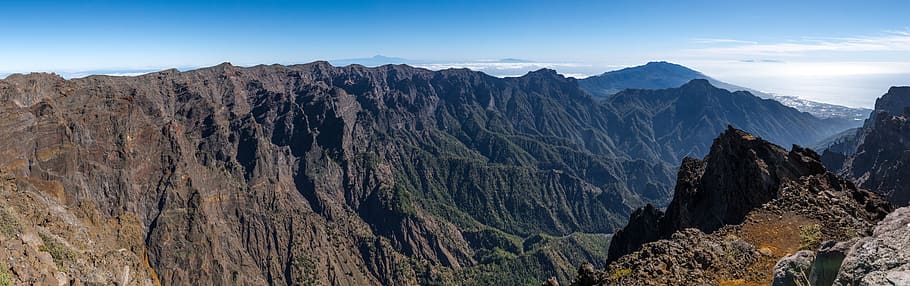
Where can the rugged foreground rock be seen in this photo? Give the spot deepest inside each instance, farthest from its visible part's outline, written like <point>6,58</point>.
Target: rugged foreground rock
<point>880,259</point>
<point>45,243</point>
<point>748,204</point>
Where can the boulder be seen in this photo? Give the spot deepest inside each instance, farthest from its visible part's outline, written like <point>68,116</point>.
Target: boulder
<point>883,258</point>
<point>794,270</point>
<point>828,261</point>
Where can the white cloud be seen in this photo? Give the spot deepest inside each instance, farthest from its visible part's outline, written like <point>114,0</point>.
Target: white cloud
<point>889,41</point>
<point>512,69</point>
<point>484,65</point>
<point>720,41</point>
<point>850,83</point>
<point>799,68</point>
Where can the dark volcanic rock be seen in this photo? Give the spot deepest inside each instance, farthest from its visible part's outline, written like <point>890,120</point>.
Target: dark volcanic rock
<point>747,194</point>
<point>895,101</point>
<point>741,173</point>
<point>645,229</point>
<point>881,162</point>
<point>688,257</point>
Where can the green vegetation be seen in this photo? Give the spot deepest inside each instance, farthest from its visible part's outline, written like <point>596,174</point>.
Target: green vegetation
<point>57,250</point>
<point>307,268</point>
<point>809,236</point>
<point>6,278</point>
<point>619,273</point>
<point>543,256</point>
<point>8,224</point>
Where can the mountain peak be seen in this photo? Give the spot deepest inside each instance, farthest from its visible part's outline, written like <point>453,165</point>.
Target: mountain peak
<point>741,173</point>
<point>663,63</point>
<point>544,72</point>
<point>895,101</point>
<point>735,134</point>
<point>699,83</point>
<point>899,89</point>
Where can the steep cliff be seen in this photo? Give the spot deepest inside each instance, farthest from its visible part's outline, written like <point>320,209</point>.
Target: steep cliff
<point>876,157</point>
<point>734,214</point>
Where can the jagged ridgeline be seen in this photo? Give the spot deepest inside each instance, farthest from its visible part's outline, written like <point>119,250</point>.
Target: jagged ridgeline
<point>313,174</point>
<point>875,156</point>
<point>735,213</point>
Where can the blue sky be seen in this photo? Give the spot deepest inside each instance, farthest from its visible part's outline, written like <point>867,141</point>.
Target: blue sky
<point>776,46</point>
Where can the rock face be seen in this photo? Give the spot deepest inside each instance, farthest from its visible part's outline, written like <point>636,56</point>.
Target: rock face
<point>880,160</point>
<point>741,173</point>
<point>895,101</point>
<point>748,204</point>
<point>884,257</point>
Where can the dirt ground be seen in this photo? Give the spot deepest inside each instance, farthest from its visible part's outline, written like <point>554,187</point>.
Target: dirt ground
<point>774,236</point>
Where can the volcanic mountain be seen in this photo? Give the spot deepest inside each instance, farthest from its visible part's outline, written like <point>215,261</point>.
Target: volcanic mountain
<point>311,173</point>
<point>660,75</point>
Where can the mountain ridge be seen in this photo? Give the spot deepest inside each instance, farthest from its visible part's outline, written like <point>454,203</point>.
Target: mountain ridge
<point>352,175</point>
<point>874,156</point>
<point>659,75</point>
<point>348,175</point>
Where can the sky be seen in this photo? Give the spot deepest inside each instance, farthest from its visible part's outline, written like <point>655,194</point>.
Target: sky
<point>843,52</point>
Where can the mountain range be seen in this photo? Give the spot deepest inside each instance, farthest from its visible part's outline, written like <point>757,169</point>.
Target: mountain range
<point>315,174</point>
<point>752,212</point>
<point>660,75</point>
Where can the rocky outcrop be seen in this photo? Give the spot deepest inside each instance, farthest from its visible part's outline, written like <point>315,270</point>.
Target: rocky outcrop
<point>740,174</point>
<point>314,174</point>
<point>828,260</point>
<point>646,228</point>
<point>46,243</point>
<point>880,161</point>
<point>879,259</point>
<point>883,258</point>
<point>688,257</point>
<point>794,270</point>
<point>894,102</point>
<point>735,214</point>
